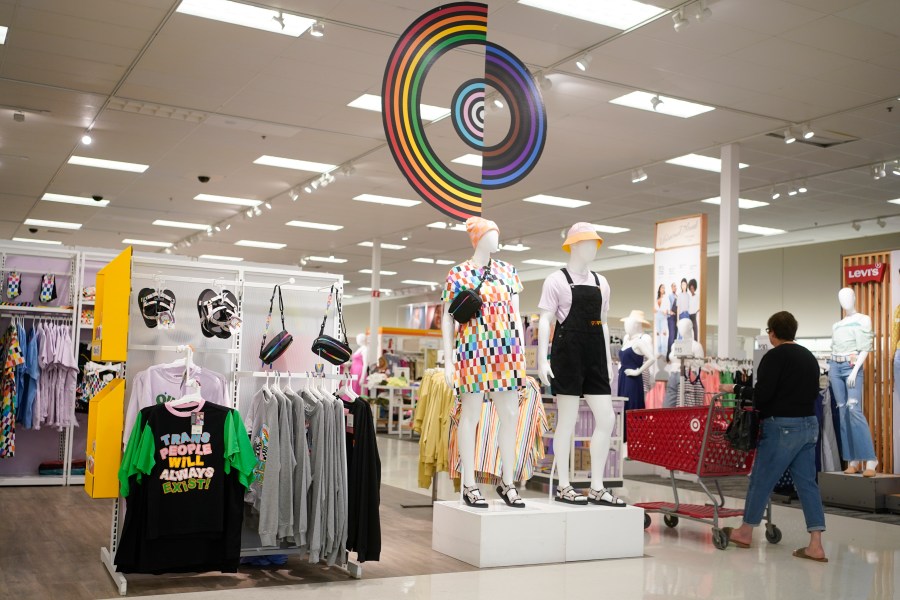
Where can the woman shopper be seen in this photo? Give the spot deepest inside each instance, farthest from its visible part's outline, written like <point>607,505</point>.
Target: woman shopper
<point>787,385</point>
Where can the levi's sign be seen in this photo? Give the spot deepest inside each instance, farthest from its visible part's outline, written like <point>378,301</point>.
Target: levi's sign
<point>865,273</point>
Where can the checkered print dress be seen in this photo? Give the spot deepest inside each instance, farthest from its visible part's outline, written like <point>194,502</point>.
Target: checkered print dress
<point>489,357</point>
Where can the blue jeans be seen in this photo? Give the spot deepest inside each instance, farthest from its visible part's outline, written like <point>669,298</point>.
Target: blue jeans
<point>786,442</point>
<point>856,438</point>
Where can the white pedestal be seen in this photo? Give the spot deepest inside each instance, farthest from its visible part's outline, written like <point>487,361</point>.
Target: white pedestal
<point>598,532</point>
<point>543,532</point>
<point>499,536</point>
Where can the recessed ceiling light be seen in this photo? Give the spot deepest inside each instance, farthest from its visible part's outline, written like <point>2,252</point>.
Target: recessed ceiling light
<point>705,163</point>
<point>115,165</point>
<point>742,202</point>
<point>327,259</point>
<point>219,257</point>
<point>297,165</point>
<point>618,14</point>
<point>757,230</point>
<point>369,272</point>
<point>81,201</point>
<point>544,263</point>
<point>255,244</point>
<point>311,225</point>
<point>386,200</point>
<point>442,225</point>
<point>51,224</point>
<point>667,106</point>
<point>133,242</point>
<point>373,103</point>
<point>383,245</point>
<point>418,282</point>
<point>36,241</point>
<point>236,13</point>
<point>630,248</point>
<point>433,261</point>
<point>368,289</point>
<point>180,224</point>
<point>468,159</point>
<point>514,247</point>
<point>610,228</point>
<point>556,201</point>
<point>3,32</point>
<point>227,200</point>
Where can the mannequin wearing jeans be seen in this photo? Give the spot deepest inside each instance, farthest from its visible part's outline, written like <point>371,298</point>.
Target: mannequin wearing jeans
<point>851,342</point>
<point>580,363</point>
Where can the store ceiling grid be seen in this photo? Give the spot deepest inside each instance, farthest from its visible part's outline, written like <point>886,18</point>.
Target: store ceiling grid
<point>191,96</point>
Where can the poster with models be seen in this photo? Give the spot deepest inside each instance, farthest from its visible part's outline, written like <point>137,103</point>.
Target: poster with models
<point>425,315</point>
<point>894,276</point>
<point>679,280</point>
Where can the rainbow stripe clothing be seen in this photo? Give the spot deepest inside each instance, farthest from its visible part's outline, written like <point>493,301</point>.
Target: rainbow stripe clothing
<point>489,357</point>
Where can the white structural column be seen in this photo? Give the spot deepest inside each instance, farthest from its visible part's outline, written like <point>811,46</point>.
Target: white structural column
<point>728,252</point>
<point>374,341</point>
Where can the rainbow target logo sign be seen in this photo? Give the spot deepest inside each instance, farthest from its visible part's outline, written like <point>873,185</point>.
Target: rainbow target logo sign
<point>503,164</point>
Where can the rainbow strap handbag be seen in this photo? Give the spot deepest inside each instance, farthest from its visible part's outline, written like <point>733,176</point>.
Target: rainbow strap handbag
<point>335,351</point>
<point>269,353</point>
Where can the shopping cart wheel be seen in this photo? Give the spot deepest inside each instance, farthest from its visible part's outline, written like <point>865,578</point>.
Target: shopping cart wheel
<point>670,520</point>
<point>773,534</point>
<point>646,520</point>
<point>720,540</point>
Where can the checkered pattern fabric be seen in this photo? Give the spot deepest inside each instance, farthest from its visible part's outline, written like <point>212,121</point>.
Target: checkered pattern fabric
<point>12,357</point>
<point>489,357</point>
<point>48,288</point>
<point>13,284</point>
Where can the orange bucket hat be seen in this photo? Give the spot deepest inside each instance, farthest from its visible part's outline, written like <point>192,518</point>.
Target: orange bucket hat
<point>580,232</point>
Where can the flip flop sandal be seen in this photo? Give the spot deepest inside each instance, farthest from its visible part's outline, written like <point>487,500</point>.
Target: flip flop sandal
<point>165,311</point>
<point>604,498</point>
<point>570,495</point>
<point>230,302</point>
<point>204,301</point>
<point>472,497</point>
<point>147,302</point>
<point>507,491</point>
<point>801,553</point>
<point>220,312</point>
<point>728,531</point>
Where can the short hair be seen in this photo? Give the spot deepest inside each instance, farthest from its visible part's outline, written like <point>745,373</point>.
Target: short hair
<point>783,325</point>
<point>692,283</point>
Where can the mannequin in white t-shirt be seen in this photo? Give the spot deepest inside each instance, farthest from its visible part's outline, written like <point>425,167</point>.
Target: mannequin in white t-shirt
<point>685,332</point>
<point>577,300</point>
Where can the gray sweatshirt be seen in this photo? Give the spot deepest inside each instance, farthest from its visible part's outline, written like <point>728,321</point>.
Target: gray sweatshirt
<point>263,492</point>
<point>330,479</point>
<point>340,453</point>
<point>286,474</point>
<point>316,419</point>
<point>302,475</point>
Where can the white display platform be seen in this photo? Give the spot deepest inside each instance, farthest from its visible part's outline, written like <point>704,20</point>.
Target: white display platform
<point>543,532</point>
<point>499,536</point>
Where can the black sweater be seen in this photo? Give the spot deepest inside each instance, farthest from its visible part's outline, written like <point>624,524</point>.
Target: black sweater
<point>787,383</point>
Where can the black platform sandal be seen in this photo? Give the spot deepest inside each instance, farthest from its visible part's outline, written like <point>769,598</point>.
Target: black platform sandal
<point>510,496</point>
<point>570,495</point>
<point>472,497</point>
<point>604,497</point>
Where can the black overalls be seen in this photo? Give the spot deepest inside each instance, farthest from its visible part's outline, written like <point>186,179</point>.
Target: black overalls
<point>578,354</point>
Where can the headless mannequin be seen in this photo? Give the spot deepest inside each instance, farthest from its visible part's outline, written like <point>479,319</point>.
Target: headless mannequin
<point>686,331</point>
<point>581,255</point>
<point>359,358</point>
<point>506,403</point>
<point>860,452</point>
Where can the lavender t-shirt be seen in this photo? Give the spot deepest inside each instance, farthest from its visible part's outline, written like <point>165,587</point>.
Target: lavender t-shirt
<point>556,295</point>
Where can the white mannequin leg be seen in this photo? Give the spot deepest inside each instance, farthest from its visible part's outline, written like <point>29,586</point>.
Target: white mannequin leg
<point>468,421</point>
<point>566,417</point>
<point>507,406</point>
<point>604,421</point>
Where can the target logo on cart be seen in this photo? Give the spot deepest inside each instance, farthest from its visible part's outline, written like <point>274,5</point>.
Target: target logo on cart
<point>695,424</point>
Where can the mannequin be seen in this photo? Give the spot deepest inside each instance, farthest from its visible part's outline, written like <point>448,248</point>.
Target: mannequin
<point>473,368</point>
<point>637,349</point>
<point>358,363</point>
<point>578,301</point>
<point>851,342</point>
<point>685,332</point>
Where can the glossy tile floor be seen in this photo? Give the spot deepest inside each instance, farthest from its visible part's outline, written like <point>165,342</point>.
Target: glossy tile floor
<point>678,563</point>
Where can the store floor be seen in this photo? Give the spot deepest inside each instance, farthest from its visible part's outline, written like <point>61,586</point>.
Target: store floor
<point>50,540</point>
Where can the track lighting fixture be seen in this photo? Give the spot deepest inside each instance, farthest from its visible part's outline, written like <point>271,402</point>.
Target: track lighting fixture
<point>249,213</point>
<point>880,222</point>
<point>802,187</point>
<point>792,191</point>
<point>584,61</point>
<point>86,139</point>
<point>314,184</point>
<point>856,226</point>
<point>308,189</point>
<point>168,251</point>
<point>256,211</point>
<point>209,232</point>
<point>293,195</point>
<point>807,132</point>
<point>279,18</point>
<point>348,170</point>
<point>703,12</point>
<point>878,171</point>
<point>227,226</point>
<point>317,29</point>
<point>789,136</point>
<point>895,168</point>
<point>268,205</point>
<point>655,101</point>
<point>406,237</point>
<point>638,175</point>
<point>775,194</point>
<point>498,102</point>
<point>545,82</point>
<point>678,20</point>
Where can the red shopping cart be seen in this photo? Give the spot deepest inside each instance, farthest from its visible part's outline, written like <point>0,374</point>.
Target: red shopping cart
<point>692,440</point>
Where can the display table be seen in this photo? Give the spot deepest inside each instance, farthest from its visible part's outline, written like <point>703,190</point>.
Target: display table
<point>542,532</point>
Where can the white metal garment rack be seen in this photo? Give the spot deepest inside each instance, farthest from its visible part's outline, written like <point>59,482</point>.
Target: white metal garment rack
<point>236,357</point>
<point>10,254</point>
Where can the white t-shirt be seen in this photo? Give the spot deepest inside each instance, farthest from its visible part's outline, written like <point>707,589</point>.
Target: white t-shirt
<point>556,295</point>
<point>694,303</point>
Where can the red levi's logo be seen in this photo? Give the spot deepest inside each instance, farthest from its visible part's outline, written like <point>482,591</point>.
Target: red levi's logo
<point>865,273</point>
